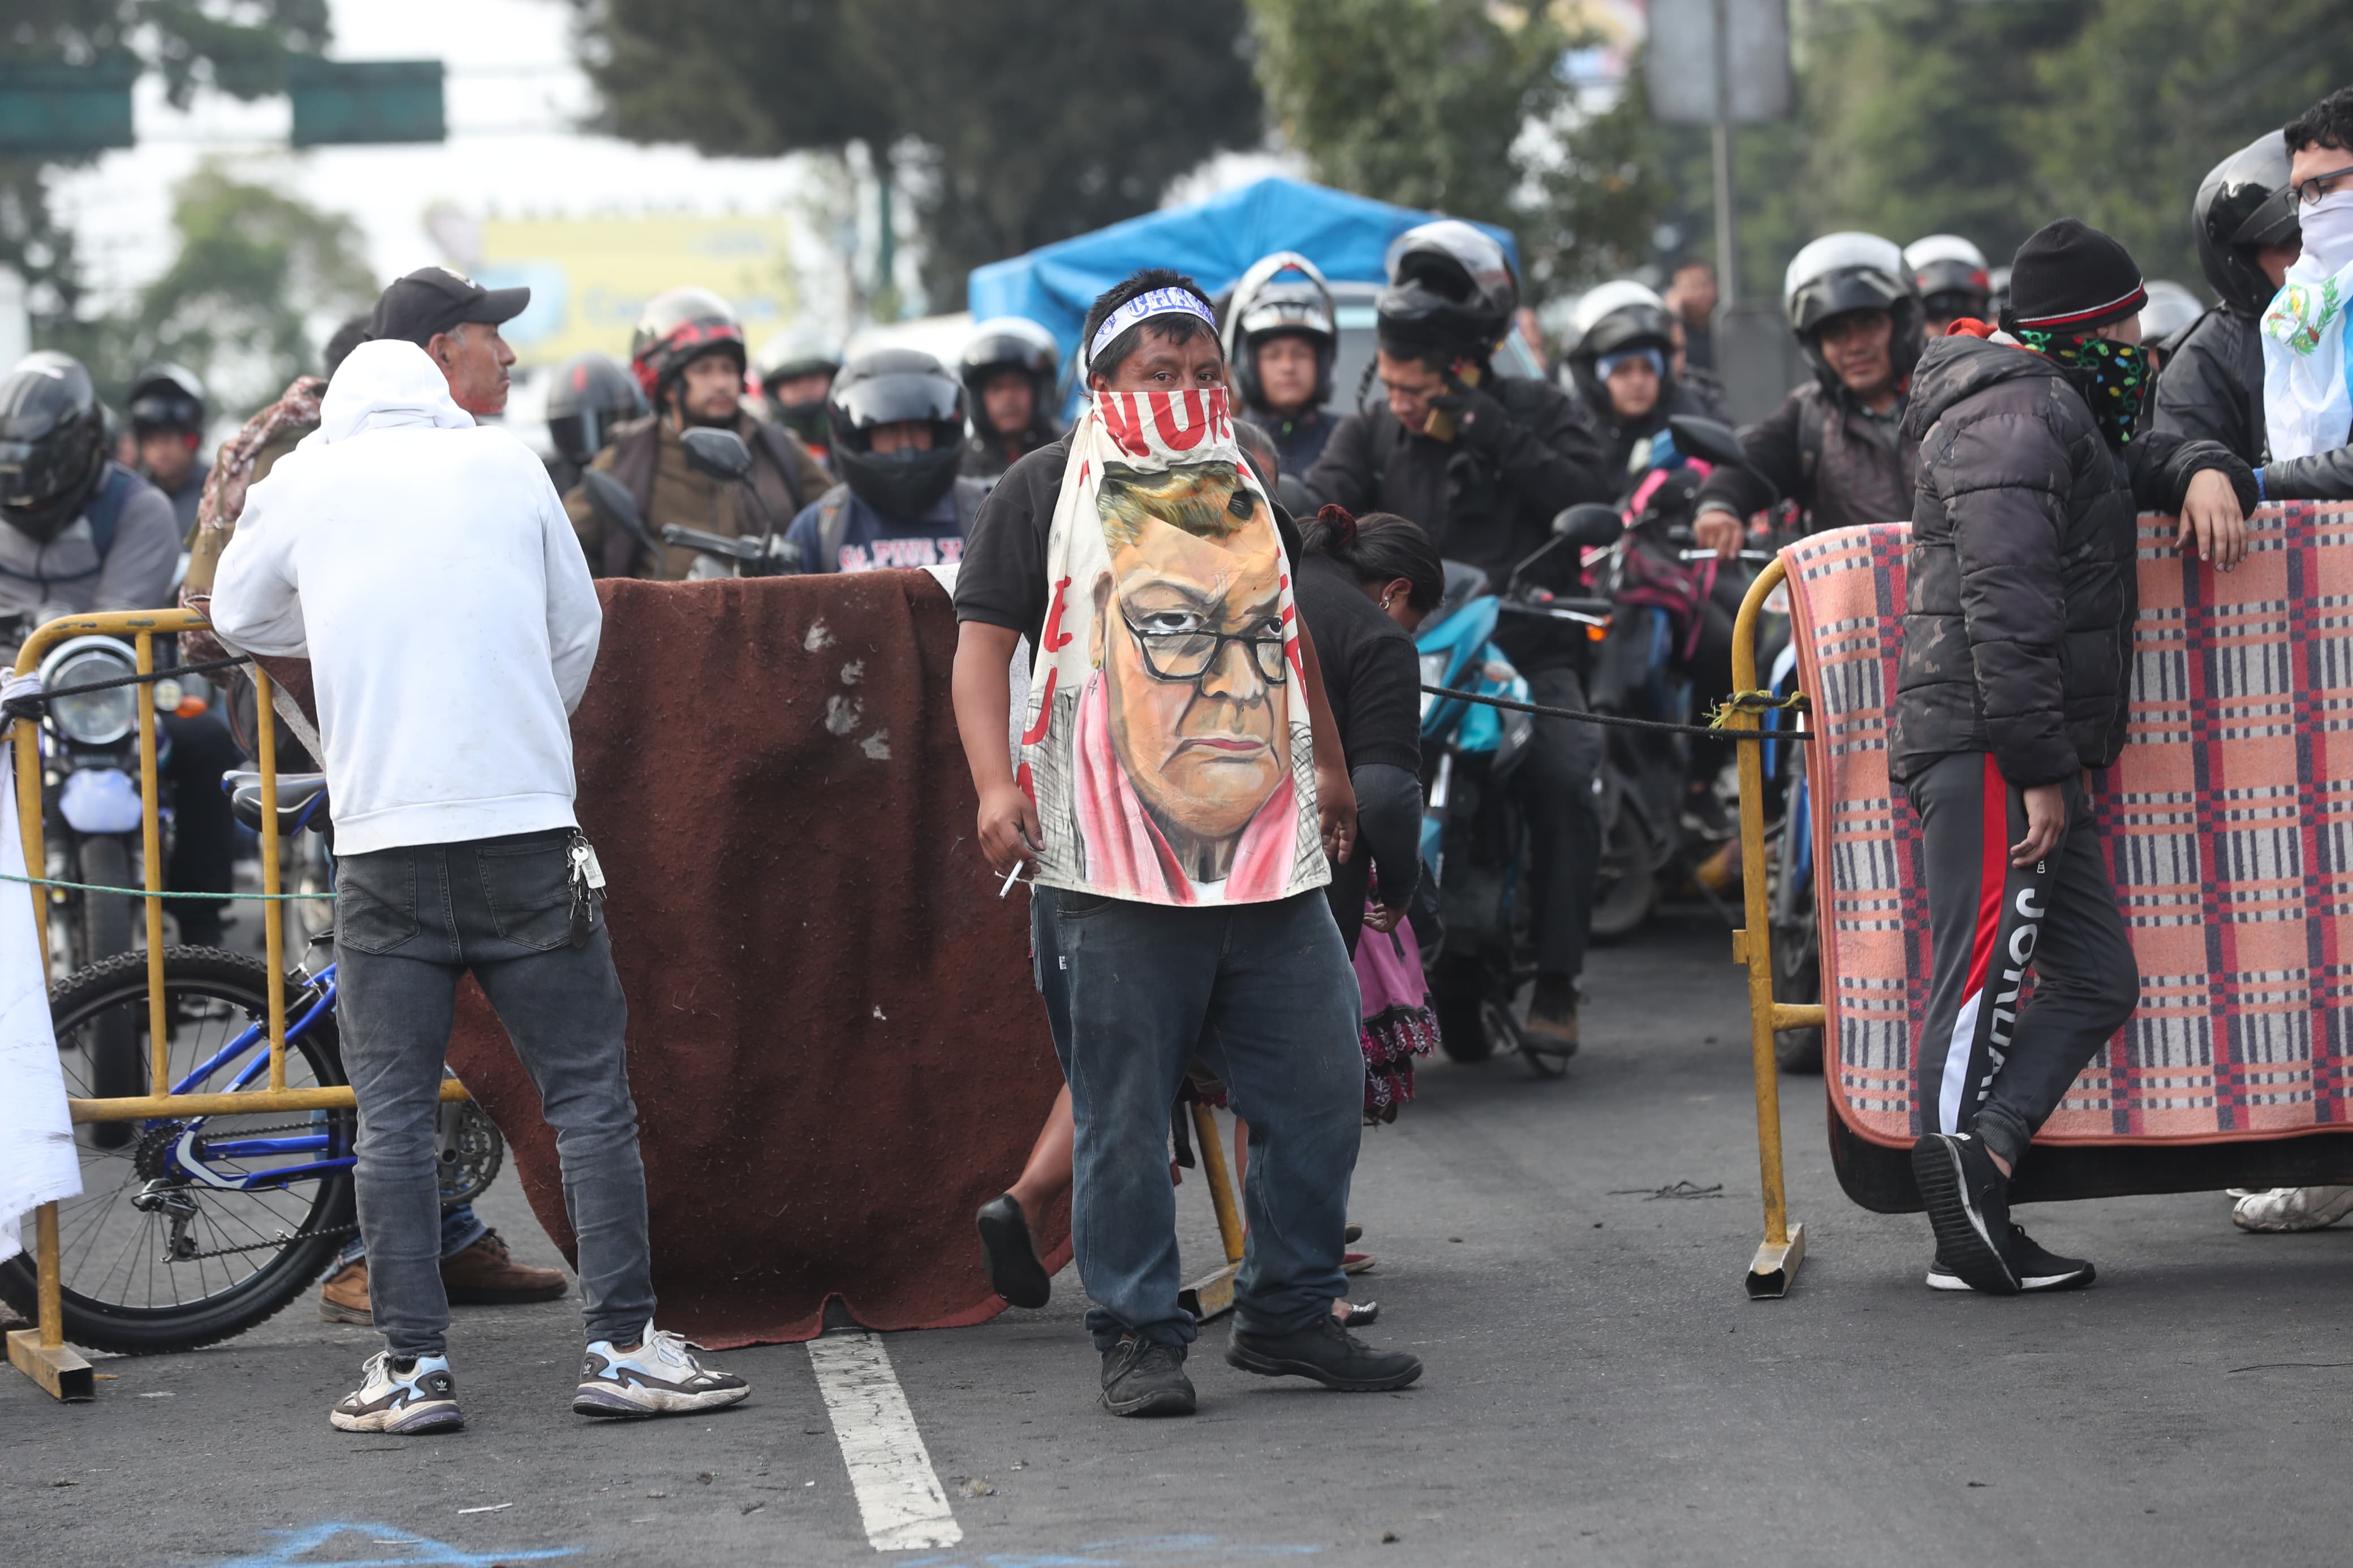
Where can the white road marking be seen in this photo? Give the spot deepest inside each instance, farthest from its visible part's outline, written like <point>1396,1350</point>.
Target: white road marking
<point>899,1494</point>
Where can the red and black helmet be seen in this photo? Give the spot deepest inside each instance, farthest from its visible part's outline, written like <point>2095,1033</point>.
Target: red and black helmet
<point>681,325</point>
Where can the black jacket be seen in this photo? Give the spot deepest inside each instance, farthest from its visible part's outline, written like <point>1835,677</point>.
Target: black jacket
<point>2211,388</point>
<point>1620,438</point>
<point>2019,615</point>
<point>1488,501</point>
<point>1824,451</point>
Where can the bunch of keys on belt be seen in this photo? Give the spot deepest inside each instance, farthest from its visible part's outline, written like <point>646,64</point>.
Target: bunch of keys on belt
<point>587,880</point>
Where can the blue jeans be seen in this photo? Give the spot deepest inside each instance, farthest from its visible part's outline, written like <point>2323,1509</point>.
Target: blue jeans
<point>1263,993</point>
<point>460,1228</point>
<point>409,924</point>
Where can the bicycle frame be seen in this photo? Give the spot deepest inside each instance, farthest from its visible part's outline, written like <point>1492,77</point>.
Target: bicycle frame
<point>191,1153</point>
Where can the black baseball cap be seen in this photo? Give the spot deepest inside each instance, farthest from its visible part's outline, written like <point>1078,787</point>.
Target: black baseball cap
<point>434,300</point>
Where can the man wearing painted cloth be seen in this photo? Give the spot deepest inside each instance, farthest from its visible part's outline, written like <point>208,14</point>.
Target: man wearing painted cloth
<point>2016,674</point>
<point>2245,218</point>
<point>449,753</point>
<point>1833,447</point>
<point>898,443</point>
<point>1179,786</point>
<point>1282,336</point>
<point>1011,371</point>
<point>1484,464</point>
<point>2307,355</point>
<point>688,355</point>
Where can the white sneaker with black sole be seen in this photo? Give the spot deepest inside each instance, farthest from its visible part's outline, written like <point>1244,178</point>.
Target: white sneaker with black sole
<point>2037,1269</point>
<point>658,1377</point>
<point>404,1399</point>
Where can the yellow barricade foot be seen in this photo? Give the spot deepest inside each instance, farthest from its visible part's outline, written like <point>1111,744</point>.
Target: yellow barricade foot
<point>56,1368</point>
<point>1211,1296</point>
<point>1775,1267</point>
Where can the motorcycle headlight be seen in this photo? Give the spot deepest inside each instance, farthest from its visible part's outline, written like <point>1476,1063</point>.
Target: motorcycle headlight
<point>1433,673</point>
<point>94,718</point>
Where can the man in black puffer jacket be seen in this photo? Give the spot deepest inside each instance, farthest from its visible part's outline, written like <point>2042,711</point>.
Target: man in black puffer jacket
<point>2015,673</point>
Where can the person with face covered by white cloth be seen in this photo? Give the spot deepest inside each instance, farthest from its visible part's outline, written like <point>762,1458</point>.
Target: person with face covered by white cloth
<point>1166,804</point>
<point>2308,362</point>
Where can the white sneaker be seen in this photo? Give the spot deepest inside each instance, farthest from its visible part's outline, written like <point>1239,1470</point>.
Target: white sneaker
<point>659,1377</point>
<point>2292,1208</point>
<point>423,1398</point>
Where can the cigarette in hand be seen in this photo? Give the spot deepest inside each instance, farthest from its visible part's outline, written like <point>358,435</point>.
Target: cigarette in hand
<point>1011,878</point>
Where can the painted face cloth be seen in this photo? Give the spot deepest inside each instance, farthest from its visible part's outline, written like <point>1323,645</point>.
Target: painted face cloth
<point>2308,399</point>
<point>2114,377</point>
<point>1166,743</point>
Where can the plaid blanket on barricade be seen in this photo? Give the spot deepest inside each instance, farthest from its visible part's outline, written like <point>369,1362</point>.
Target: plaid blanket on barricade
<point>2229,830</point>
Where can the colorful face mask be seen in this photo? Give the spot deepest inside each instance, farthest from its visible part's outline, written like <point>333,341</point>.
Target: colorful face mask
<point>2112,377</point>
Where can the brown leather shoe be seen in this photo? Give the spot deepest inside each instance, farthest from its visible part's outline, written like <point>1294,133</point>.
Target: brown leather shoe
<point>343,1299</point>
<point>1552,1016</point>
<point>486,1275</point>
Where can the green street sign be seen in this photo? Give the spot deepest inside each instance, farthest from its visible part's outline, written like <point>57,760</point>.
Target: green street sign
<point>48,109</point>
<point>364,100</point>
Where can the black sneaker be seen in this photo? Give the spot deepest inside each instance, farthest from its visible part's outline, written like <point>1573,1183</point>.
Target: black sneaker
<point>1967,1199</point>
<point>1326,1351</point>
<point>2037,1269</point>
<point>1009,1255</point>
<point>1146,1377</point>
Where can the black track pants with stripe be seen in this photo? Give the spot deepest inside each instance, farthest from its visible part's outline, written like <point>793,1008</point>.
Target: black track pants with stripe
<point>1984,1063</point>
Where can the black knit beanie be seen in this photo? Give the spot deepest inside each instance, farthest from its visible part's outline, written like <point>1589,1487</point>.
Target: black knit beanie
<point>2070,278</point>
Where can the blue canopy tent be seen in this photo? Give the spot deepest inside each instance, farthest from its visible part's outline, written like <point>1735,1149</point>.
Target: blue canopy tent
<point>1214,242</point>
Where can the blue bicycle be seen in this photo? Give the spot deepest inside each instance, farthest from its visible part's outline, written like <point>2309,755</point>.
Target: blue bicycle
<point>195,1228</point>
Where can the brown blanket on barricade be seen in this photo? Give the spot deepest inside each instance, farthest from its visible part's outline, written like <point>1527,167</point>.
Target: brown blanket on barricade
<point>835,1041</point>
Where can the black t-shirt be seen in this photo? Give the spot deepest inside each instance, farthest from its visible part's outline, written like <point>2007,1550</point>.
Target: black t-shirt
<point>1371,671</point>
<point>1001,580</point>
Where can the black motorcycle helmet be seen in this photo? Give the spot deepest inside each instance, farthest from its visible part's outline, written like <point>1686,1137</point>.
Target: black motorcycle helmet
<point>1450,293</point>
<point>52,446</point>
<point>1618,317</point>
<point>1281,294</point>
<point>2243,203</point>
<point>167,397</point>
<point>1852,271</point>
<point>1951,276</point>
<point>895,386</point>
<point>680,325</point>
<point>592,394</point>
<point>1011,343</point>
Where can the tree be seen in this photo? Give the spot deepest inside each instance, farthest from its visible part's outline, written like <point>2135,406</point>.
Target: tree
<point>255,269</point>
<point>241,50</point>
<point>1030,120</point>
<point>1415,101</point>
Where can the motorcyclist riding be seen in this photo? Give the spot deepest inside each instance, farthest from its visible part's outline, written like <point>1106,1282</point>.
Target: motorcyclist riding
<point>1484,464</point>
<point>592,398</point>
<point>2245,218</point>
<point>1833,446</point>
<point>688,355</point>
<point>167,420</point>
<point>796,370</point>
<point>898,440</point>
<point>1621,360</point>
<point>2172,311</point>
<point>85,533</point>
<point>1282,335</point>
<point>1012,370</point>
<point>1951,276</point>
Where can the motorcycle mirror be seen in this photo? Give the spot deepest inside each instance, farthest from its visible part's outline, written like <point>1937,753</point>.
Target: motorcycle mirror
<point>717,454</point>
<point>616,506</point>
<point>1589,526</point>
<point>1714,441</point>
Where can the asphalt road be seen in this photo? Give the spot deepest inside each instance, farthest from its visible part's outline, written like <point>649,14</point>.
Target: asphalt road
<point>1600,1390</point>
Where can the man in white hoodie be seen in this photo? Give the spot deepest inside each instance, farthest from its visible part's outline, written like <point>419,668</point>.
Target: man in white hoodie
<point>424,566</point>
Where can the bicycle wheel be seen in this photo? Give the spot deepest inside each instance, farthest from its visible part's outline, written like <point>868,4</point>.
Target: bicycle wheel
<point>152,1259</point>
<point>118,1059</point>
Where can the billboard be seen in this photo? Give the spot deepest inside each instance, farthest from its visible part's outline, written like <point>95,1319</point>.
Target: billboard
<point>590,278</point>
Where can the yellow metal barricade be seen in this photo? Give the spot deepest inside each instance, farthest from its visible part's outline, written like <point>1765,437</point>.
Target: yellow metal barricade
<point>1775,1267</point>
<point>40,1352</point>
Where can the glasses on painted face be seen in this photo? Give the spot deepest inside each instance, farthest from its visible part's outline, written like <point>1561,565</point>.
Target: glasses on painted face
<point>2312,190</point>
<point>1189,652</point>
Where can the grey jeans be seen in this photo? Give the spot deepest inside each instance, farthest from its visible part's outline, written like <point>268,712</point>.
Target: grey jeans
<point>408,922</point>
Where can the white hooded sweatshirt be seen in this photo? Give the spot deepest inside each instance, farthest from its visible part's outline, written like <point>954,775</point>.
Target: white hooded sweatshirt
<point>424,565</point>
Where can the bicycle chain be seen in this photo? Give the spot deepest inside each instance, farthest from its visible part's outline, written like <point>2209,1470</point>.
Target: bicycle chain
<point>281,1241</point>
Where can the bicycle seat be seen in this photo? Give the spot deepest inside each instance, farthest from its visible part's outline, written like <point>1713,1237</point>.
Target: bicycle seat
<point>301,799</point>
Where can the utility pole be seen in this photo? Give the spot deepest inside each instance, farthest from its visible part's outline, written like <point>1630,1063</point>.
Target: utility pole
<point>1727,239</point>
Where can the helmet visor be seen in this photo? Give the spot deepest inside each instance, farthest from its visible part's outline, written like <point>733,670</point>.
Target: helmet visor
<point>896,398</point>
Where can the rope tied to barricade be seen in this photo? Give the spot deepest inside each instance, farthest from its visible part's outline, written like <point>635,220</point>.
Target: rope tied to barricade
<point>1717,728</point>
<point>27,704</point>
<point>161,893</point>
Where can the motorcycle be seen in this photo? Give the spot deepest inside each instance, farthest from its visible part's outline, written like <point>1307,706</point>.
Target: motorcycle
<point>1473,837</point>
<point>716,454</point>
